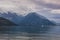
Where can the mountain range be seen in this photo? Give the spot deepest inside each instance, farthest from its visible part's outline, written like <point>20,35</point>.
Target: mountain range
<point>12,17</point>
<point>30,19</point>
<point>6,22</point>
<point>35,19</point>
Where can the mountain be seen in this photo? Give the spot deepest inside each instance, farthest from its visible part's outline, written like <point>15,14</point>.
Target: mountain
<point>30,19</point>
<point>12,17</point>
<point>5,22</point>
<point>34,19</point>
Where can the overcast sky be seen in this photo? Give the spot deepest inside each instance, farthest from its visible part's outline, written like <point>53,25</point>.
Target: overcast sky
<point>47,8</point>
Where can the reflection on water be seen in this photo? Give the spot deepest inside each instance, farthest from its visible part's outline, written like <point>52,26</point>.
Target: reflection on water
<point>30,29</point>
<point>32,32</point>
<point>26,29</point>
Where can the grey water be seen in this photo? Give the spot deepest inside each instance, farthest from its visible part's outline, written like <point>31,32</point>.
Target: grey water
<point>32,32</point>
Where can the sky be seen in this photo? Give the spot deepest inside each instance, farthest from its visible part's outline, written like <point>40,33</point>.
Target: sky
<point>48,8</point>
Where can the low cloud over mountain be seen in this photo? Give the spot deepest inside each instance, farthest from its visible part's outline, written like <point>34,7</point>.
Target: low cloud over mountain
<point>22,7</point>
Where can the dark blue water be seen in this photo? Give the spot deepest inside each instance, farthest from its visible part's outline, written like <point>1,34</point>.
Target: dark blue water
<point>30,29</point>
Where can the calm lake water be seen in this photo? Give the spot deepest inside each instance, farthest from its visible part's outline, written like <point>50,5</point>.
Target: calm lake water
<point>30,33</point>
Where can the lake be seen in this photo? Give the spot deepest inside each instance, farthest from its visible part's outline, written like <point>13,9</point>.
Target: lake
<point>30,33</point>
